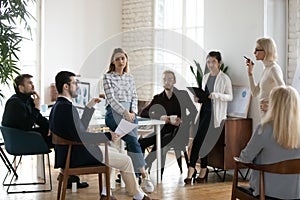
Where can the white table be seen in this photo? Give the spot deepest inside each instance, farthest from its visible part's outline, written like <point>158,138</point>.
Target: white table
<point>156,123</point>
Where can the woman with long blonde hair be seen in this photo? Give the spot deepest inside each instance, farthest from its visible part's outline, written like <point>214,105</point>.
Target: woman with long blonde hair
<point>275,140</point>
<point>121,103</point>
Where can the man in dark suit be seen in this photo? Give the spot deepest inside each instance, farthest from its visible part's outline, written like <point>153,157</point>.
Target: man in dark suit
<point>22,111</point>
<point>66,122</point>
<point>170,102</point>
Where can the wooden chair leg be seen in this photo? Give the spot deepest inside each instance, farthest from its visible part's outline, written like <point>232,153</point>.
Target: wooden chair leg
<point>107,178</point>
<point>60,179</point>
<point>64,186</point>
<point>100,183</point>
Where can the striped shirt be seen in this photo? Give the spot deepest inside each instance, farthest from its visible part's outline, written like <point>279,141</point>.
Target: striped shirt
<point>120,88</point>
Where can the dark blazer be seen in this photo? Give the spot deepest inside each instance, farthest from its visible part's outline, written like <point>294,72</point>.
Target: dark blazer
<point>179,104</point>
<point>66,123</point>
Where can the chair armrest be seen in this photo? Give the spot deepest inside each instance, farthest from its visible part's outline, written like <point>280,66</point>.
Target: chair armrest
<point>63,141</point>
<point>241,164</point>
<point>57,140</point>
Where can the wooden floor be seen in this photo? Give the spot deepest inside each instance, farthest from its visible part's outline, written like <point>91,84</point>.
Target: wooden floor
<point>171,188</point>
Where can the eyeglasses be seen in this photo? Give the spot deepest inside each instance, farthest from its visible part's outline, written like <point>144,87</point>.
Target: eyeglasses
<point>74,82</point>
<point>256,50</point>
<point>169,80</point>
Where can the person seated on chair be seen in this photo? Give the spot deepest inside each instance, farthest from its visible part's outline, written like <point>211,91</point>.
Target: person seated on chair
<point>22,111</point>
<point>170,102</point>
<point>66,122</point>
<point>276,139</point>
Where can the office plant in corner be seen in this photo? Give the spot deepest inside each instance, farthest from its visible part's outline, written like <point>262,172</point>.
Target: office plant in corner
<point>12,14</point>
<point>198,74</point>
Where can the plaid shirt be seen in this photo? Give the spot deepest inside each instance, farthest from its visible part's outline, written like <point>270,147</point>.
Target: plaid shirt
<point>120,89</point>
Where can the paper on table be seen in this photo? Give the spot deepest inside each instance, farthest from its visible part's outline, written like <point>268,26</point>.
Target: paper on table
<point>124,127</point>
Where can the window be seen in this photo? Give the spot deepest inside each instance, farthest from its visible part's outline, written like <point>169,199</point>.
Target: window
<point>179,22</point>
<point>28,54</point>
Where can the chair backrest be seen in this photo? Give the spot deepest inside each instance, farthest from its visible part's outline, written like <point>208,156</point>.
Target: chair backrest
<point>67,171</point>
<point>291,166</point>
<point>18,142</point>
<point>62,141</point>
<point>57,140</point>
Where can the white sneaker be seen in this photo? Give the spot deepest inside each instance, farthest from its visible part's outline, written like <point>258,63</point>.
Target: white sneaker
<point>147,185</point>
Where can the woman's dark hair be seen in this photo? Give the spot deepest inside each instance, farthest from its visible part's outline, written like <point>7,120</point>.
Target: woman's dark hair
<point>215,54</point>
<point>62,78</point>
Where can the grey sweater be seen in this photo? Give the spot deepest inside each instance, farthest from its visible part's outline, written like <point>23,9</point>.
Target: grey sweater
<point>263,149</point>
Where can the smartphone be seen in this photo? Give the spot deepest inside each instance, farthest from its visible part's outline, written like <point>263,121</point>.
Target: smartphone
<point>248,59</point>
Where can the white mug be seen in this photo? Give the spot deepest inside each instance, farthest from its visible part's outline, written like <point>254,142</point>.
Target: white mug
<point>74,186</point>
<point>173,118</point>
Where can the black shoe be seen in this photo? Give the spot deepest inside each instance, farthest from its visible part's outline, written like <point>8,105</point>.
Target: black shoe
<point>76,179</point>
<point>118,180</point>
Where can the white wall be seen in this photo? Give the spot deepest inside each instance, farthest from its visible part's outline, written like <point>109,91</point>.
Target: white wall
<point>71,30</point>
<point>233,26</point>
<point>76,34</point>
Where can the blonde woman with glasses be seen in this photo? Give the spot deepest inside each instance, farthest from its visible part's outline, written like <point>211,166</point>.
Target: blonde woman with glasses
<point>275,140</point>
<point>272,76</point>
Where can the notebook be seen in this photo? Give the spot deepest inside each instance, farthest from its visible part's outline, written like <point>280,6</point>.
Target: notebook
<point>198,92</point>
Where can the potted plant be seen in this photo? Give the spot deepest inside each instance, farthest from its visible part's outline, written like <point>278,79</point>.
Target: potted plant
<point>198,74</point>
<point>12,12</point>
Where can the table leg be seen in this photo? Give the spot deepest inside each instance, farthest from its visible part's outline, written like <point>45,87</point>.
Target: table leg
<point>40,166</point>
<point>158,152</point>
<point>122,150</point>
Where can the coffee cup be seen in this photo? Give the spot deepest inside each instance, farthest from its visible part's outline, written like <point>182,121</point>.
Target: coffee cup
<point>74,187</point>
<point>173,118</point>
<point>44,107</point>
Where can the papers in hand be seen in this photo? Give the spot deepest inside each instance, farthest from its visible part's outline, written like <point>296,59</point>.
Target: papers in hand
<point>125,127</point>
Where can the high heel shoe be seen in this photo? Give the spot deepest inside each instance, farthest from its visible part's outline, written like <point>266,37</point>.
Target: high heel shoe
<point>192,179</point>
<point>202,179</point>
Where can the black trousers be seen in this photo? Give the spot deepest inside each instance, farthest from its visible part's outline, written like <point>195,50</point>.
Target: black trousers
<point>205,118</point>
<point>166,139</point>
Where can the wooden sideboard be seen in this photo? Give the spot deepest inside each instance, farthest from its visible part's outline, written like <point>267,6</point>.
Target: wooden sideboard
<point>234,137</point>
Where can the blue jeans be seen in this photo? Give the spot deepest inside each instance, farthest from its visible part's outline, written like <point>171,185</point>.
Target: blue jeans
<point>134,151</point>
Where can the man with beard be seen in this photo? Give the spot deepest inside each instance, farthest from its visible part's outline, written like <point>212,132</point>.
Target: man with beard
<point>66,123</point>
<point>170,102</point>
<point>22,111</point>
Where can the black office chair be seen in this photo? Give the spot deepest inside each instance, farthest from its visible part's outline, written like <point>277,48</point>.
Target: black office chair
<point>179,144</point>
<point>20,143</point>
<point>6,162</point>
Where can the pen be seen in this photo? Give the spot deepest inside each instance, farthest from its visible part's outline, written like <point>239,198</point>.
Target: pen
<point>248,59</point>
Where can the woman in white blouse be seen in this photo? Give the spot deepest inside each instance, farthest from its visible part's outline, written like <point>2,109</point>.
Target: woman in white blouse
<point>272,76</point>
<point>121,97</point>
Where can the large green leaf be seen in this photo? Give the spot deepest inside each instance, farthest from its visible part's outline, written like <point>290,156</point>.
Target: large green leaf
<point>199,74</point>
<point>12,12</point>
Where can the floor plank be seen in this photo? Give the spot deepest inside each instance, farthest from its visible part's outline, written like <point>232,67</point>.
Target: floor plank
<point>171,188</point>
